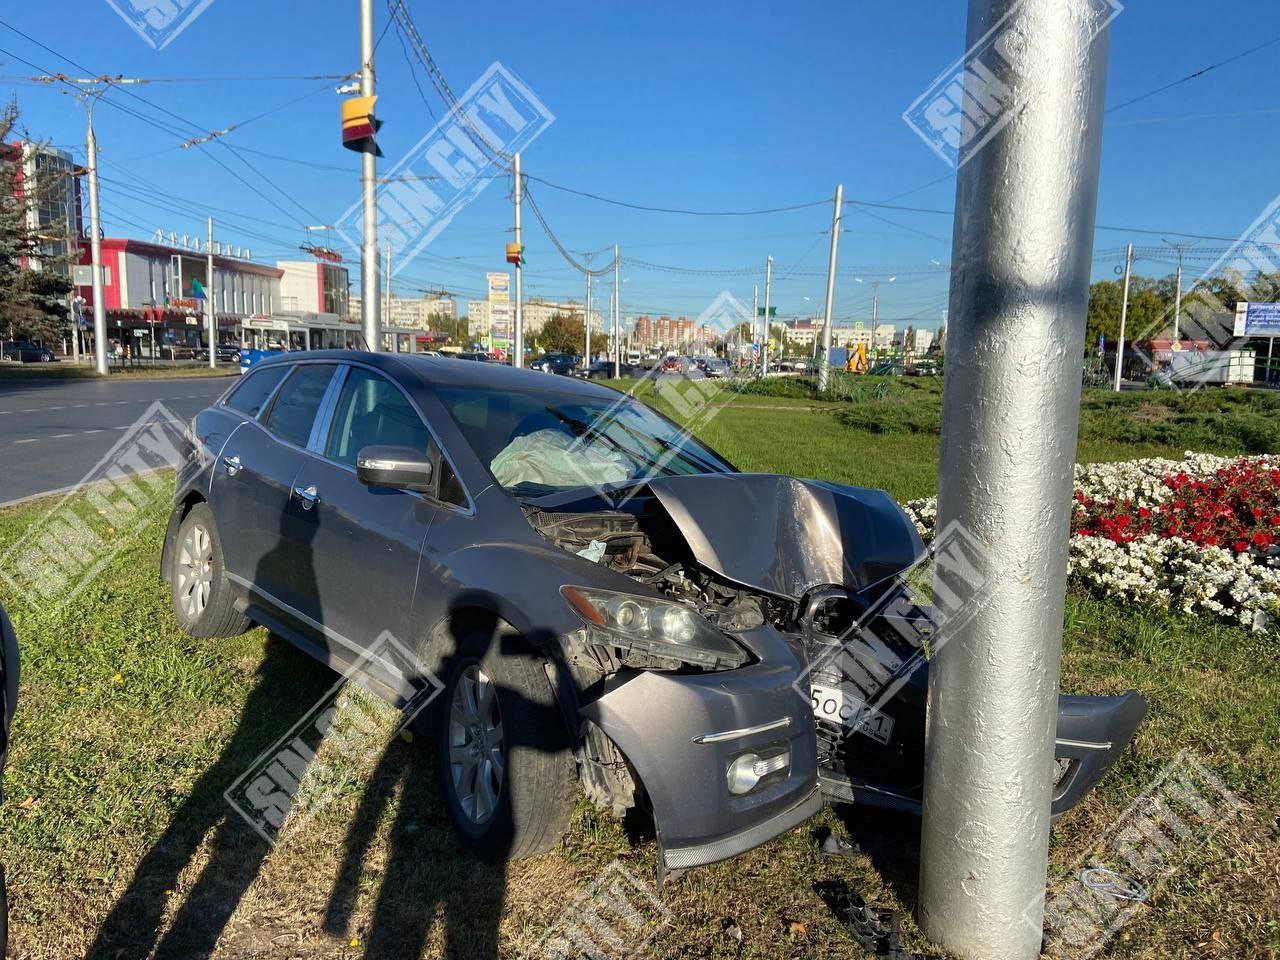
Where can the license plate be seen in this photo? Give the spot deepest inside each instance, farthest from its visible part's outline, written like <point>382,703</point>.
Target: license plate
<point>839,707</point>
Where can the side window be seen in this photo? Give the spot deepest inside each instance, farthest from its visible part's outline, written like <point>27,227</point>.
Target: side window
<point>372,410</point>
<point>294,409</point>
<point>450,487</point>
<point>254,389</point>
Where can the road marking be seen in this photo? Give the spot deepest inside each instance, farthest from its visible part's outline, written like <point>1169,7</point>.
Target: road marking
<point>53,408</point>
<point>102,404</point>
<point>87,432</point>
<point>59,436</point>
<point>28,440</point>
<point>31,410</point>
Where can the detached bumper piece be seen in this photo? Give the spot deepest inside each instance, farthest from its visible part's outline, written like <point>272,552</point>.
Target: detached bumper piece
<point>1092,733</point>
<point>682,858</point>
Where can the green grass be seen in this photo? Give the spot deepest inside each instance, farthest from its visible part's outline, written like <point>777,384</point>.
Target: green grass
<point>128,732</point>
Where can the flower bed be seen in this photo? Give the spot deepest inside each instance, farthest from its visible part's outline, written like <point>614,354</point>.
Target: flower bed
<point>1199,535</point>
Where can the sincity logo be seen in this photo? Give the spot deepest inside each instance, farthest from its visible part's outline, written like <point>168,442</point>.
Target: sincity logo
<point>450,166</point>
<point>159,21</point>
<point>970,102</point>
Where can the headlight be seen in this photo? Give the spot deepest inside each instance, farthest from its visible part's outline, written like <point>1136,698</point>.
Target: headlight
<point>660,628</point>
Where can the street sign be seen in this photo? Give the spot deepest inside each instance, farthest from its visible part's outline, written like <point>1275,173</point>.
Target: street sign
<point>1257,320</point>
<point>773,311</point>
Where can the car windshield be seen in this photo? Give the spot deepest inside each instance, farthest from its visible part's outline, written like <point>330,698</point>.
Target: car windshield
<point>539,443</point>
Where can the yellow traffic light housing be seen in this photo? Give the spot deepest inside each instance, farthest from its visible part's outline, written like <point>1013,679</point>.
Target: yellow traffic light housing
<point>515,253</point>
<point>359,126</point>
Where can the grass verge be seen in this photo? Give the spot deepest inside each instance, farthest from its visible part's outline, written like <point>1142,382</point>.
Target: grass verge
<point>116,835</point>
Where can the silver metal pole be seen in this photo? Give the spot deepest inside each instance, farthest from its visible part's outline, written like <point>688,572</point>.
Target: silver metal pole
<point>370,289</point>
<point>755,311</point>
<point>386,298</point>
<point>1177,300</point>
<point>617,317</point>
<point>824,361</point>
<point>586,317</point>
<point>1124,313</point>
<point>1271,344</point>
<point>764,344</point>
<point>211,316</point>
<point>1025,211</point>
<point>517,345</point>
<point>95,252</point>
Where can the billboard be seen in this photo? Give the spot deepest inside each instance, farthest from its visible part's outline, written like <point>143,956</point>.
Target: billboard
<point>500,314</point>
<point>1257,320</point>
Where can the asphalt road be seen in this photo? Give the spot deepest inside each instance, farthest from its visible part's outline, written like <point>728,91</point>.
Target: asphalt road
<point>54,432</point>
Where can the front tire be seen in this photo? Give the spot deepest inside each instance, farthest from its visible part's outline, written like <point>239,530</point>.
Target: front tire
<point>203,600</point>
<point>506,766</point>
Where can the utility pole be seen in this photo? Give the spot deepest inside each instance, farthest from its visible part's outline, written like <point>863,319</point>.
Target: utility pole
<point>95,251</point>
<point>586,315</point>
<point>755,311</point>
<point>764,346</point>
<point>518,337</point>
<point>211,316</point>
<point>1124,313</point>
<point>617,317</point>
<point>1026,201</point>
<point>1180,248</point>
<point>370,289</point>
<point>824,361</point>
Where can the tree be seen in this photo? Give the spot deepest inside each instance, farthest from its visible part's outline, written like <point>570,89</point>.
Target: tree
<point>29,298</point>
<point>1150,309</point>
<point>563,334</point>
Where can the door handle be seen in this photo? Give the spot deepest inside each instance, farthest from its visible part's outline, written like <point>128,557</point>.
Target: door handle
<point>309,496</point>
<point>232,464</point>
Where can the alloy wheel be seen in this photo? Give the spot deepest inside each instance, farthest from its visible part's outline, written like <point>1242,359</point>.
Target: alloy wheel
<point>194,571</point>
<point>475,745</point>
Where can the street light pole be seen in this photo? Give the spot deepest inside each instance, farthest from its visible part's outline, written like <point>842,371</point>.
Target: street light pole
<point>517,338</point>
<point>586,315</point>
<point>1026,201</point>
<point>1180,248</point>
<point>211,315</point>
<point>824,361</point>
<point>95,251</point>
<point>370,289</point>
<point>617,317</point>
<point>1124,313</point>
<point>764,346</point>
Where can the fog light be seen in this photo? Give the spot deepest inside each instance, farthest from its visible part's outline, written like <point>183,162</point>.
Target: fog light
<point>746,772</point>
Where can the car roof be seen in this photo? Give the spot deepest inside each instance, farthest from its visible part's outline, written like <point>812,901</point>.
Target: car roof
<point>451,372</point>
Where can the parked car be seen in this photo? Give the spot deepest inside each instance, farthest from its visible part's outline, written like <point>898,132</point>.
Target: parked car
<point>8,703</point>
<point>23,351</point>
<point>563,560</point>
<point>476,356</point>
<point>560,363</point>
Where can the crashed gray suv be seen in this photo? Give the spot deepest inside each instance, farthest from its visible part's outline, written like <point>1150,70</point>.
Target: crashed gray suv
<point>606,603</point>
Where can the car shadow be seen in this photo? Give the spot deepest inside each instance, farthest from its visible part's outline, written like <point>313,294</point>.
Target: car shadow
<point>288,684</point>
<point>890,839</point>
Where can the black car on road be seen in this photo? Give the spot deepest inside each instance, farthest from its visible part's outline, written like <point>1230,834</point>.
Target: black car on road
<point>606,603</point>
<point>23,351</point>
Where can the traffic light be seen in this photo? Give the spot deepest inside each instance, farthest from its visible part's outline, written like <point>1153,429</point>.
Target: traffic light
<point>359,124</point>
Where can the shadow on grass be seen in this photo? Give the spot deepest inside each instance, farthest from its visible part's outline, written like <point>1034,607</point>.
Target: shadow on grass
<point>288,684</point>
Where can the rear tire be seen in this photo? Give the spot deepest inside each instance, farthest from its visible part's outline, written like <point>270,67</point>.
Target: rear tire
<point>203,600</point>
<point>506,766</point>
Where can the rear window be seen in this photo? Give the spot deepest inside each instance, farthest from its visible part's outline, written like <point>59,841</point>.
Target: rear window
<point>294,409</point>
<point>254,389</point>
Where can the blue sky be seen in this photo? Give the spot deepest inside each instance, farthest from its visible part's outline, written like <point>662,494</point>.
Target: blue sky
<point>704,105</point>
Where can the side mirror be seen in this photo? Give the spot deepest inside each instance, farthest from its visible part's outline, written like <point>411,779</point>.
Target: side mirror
<point>400,468</point>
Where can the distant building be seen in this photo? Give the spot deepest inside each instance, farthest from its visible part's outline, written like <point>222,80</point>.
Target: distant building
<point>418,313</point>
<point>156,292</point>
<point>882,337</point>
<point>536,313</point>
<point>311,286</point>
<point>48,178</point>
<point>667,333</point>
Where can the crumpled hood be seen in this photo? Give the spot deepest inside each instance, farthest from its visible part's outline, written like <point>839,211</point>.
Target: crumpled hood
<point>785,536</point>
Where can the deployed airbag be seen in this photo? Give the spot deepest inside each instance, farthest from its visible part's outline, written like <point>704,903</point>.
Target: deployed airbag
<point>554,458</point>
<point>785,536</point>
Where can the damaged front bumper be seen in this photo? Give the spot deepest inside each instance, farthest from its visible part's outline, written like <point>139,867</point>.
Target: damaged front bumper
<point>682,733</point>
